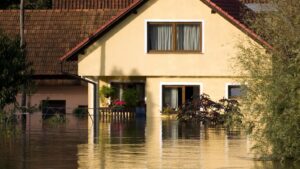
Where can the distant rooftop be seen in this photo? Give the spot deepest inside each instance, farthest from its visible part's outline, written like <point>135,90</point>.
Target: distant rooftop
<point>260,7</point>
<point>90,4</point>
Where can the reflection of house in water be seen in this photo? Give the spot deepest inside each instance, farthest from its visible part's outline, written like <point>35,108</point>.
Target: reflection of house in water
<point>168,50</point>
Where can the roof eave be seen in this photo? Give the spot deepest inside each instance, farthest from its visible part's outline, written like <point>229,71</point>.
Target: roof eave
<point>123,14</point>
<point>107,26</point>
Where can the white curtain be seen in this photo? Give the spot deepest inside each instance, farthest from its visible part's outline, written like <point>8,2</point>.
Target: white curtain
<point>160,37</point>
<point>171,97</point>
<point>174,98</point>
<point>188,37</point>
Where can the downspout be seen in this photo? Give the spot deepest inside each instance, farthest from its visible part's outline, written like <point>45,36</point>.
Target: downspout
<point>95,100</point>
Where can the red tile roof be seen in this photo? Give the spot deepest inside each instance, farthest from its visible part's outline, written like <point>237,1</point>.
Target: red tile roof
<point>50,34</point>
<point>90,4</point>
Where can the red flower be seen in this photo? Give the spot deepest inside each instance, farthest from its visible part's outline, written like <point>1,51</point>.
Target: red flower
<point>119,103</point>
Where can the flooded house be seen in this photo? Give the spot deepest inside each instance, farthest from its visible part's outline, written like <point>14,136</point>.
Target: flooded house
<point>168,50</point>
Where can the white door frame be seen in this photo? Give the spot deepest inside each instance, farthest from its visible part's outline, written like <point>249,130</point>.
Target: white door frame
<point>179,84</point>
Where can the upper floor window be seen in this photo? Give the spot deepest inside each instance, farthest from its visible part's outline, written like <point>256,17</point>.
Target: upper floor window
<point>174,37</point>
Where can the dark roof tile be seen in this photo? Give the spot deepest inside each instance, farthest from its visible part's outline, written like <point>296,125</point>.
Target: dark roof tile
<point>90,4</point>
<point>49,34</point>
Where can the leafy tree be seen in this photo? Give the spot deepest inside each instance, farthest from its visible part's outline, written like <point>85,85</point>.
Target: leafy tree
<point>14,70</point>
<point>272,101</point>
<point>29,4</point>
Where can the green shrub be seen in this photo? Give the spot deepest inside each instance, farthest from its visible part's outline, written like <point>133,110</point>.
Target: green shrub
<point>203,109</point>
<point>80,112</point>
<point>56,119</point>
<point>130,97</point>
<point>106,91</point>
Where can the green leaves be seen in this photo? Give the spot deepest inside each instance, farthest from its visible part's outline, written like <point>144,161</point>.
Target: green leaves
<point>14,70</point>
<point>29,4</point>
<point>271,106</point>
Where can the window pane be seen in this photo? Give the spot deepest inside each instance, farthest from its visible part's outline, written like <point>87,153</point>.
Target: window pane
<point>188,37</point>
<point>171,97</point>
<point>50,107</point>
<point>234,91</point>
<point>160,37</point>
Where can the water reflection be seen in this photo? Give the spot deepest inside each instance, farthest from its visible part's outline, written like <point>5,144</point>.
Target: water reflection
<point>169,144</point>
<point>134,144</point>
<point>41,145</point>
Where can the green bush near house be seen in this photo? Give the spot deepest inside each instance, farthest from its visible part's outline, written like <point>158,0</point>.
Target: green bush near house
<point>106,91</point>
<point>130,97</point>
<point>203,109</point>
<point>15,72</point>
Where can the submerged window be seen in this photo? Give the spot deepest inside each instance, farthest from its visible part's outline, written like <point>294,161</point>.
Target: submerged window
<point>175,37</point>
<point>50,107</point>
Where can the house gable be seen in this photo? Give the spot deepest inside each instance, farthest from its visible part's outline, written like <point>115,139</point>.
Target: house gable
<point>123,50</point>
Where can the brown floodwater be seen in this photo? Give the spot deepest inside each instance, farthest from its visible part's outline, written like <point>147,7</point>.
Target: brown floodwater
<point>151,143</point>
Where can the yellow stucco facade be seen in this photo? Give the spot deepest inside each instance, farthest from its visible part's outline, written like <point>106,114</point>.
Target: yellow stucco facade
<point>122,52</point>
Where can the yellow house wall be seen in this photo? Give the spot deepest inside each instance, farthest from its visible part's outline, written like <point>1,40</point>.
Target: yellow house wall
<point>121,52</point>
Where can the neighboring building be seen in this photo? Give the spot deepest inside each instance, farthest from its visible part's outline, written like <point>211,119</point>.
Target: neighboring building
<point>169,50</point>
<point>49,34</point>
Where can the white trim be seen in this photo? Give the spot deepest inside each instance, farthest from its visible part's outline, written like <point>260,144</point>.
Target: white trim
<point>126,81</point>
<point>177,83</point>
<point>171,20</point>
<point>227,86</point>
<point>203,35</point>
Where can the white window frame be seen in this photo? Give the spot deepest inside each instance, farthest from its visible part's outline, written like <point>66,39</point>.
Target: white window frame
<point>179,84</point>
<point>172,20</point>
<point>227,88</point>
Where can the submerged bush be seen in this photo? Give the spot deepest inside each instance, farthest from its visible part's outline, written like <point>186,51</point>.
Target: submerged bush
<point>80,112</point>
<point>203,109</point>
<point>7,118</point>
<point>56,119</point>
